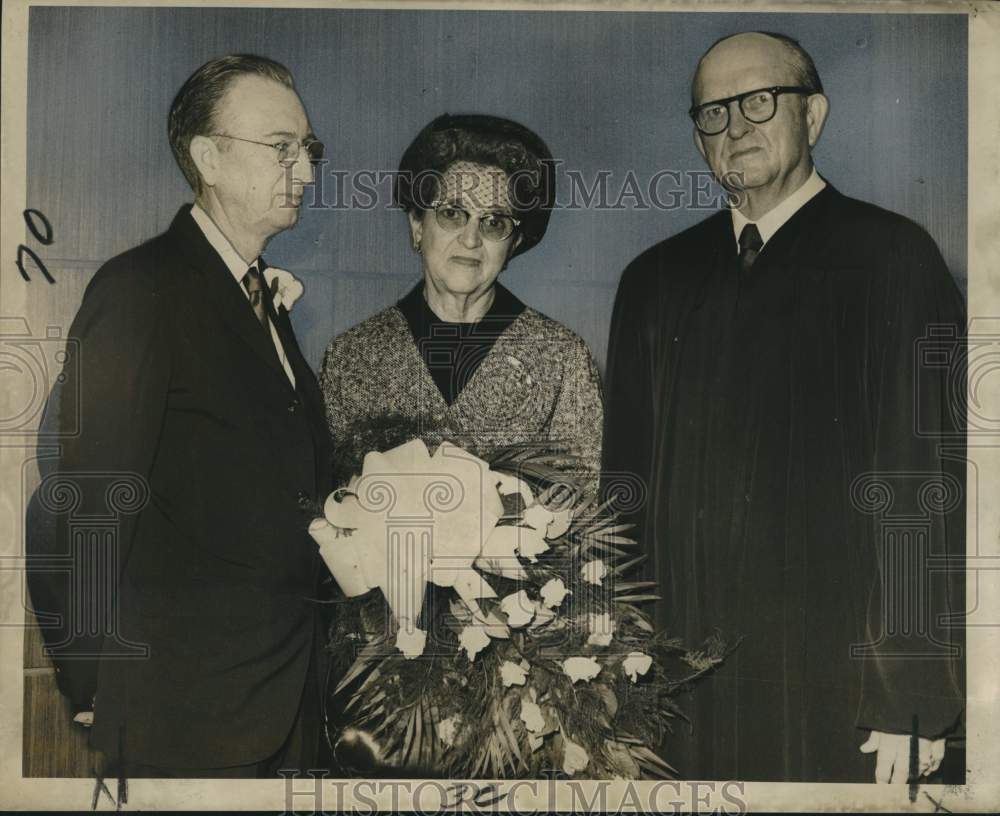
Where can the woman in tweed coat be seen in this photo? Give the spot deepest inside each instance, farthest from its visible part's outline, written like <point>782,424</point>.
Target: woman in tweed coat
<point>460,354</point>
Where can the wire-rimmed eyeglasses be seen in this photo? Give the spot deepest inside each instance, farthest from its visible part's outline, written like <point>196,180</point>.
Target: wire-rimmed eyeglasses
<point>494,226</point>
<point>288,152</point>
<point>757,106</point>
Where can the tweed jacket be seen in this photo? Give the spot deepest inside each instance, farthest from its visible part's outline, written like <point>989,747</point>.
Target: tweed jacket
<point>538,383</point>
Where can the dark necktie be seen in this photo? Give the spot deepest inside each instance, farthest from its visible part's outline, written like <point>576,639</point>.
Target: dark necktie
<point>254,283</point>
<point>750,244</point>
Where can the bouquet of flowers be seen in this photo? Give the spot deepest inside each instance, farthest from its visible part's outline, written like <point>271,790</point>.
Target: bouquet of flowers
<point>492,629</point>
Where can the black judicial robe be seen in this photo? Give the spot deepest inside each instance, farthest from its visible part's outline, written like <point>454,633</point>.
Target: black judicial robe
<point>794,430</point>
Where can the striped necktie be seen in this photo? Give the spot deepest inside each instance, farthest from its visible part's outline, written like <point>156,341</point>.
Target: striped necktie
<point>254,283</point>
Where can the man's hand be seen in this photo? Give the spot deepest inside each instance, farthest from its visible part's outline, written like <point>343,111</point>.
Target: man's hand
<point>892,762</point>
<point>86,717</point>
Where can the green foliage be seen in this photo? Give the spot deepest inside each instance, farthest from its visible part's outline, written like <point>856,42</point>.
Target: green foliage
<point>403,705</point>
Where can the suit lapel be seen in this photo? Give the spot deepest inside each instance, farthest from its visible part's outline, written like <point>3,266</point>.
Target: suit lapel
<point>307,388</point>
<point>222,289</point>
<point>304,376</point>
<point>305,380</point>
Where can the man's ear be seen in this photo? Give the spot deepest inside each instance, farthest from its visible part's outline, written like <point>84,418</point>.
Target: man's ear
<point>205,155</point>
<point>416,219</point>
<point>817,108</point>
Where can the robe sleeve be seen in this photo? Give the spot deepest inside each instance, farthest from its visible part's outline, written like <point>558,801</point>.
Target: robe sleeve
<point>107,413</point>
<point>917,409</point>
<point>629,415</point>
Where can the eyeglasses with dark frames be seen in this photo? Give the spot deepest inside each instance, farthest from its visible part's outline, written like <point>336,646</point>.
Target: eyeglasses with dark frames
<point>494,226</point>
<point>757,106</point>
<point>288,152</point>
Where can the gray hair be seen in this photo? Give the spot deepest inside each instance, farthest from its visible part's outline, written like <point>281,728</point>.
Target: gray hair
<point>193,110</point>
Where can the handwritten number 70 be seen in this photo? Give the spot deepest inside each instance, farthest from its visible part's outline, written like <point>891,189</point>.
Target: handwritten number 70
<point>39,226</point>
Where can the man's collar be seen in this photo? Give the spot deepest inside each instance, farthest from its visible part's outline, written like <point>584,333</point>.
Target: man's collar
<point>771,222</point>
<point>230,257</point>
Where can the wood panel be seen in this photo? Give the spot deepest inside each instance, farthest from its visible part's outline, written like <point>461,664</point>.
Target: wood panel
<point>34,646</point>
<point>54,746</point>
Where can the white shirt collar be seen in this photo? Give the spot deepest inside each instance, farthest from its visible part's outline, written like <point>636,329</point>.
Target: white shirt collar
<point>238,267</point>
<point>220,243</point>
<point>772,221</point>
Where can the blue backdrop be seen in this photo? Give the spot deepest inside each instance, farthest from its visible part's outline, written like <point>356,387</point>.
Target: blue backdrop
<point>607,91</point>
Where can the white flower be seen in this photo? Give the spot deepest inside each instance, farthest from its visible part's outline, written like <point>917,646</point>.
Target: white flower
<point>453,489</point>
<point>499,551</point>
<point>342,511</point>
<point>470,584</point>
<point>340,555</point>
<point>511,674</point>
<point>535,742</point>
<point>530,543</point>
<point>467,614</point>
<point>575,757</point>
<point>447,729</point>
<point>508,484</point>
<point>518,608</point>
<point>581,668</point>
<point>285,287</point>
<point>538,517</point>
<point>553,592</point>
<point>601,630</point>
<point>594,571</point>
<point>559,524</point>
<point>499,554</point>
<point>411,642</point>
<point>635,664</point>
<point>473,639</point>
<point>531,716</point>
<point>543,615</point>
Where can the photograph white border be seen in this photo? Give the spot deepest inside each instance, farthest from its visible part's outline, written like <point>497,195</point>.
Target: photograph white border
<point>980,793</point>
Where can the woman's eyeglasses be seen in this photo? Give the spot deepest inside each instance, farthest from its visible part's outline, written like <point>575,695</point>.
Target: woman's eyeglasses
<point>493,226</point>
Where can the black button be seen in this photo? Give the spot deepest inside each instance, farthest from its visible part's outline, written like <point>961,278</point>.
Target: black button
<point>303,499</point>
<point>293,406</point>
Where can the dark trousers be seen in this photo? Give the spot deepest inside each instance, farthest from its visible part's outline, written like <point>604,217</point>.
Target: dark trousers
<point>299,751</point>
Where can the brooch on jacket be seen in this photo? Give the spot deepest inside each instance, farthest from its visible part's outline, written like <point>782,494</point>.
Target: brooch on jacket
<point>521,374</point>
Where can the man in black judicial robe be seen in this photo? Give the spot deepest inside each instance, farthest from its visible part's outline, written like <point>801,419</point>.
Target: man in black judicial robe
<point>803,460</point>
<point>190,635</point>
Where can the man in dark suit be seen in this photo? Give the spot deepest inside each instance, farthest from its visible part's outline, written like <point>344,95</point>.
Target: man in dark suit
<point>763,382</point>
<point>195,635</point>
